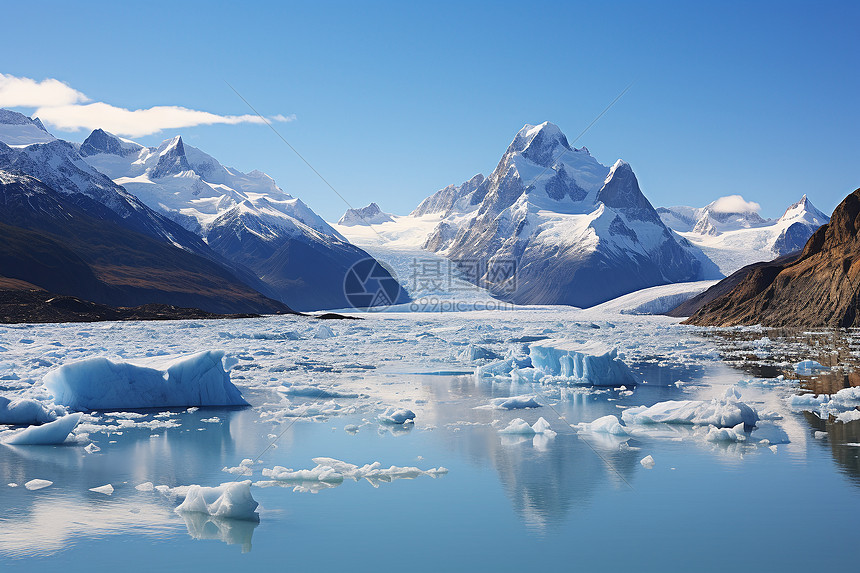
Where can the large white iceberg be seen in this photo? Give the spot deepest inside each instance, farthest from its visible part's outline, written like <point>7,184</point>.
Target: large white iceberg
<point>229,500</point>
<point>158,382</point>
<point>726,412</point>
<point>565,361</point>
<point>51,433</point>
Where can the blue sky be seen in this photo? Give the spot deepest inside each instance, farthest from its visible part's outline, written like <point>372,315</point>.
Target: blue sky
<point>393,102</point>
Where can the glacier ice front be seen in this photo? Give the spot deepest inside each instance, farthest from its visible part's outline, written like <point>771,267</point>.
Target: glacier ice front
<point>164,381</point>
<point>563,361</point>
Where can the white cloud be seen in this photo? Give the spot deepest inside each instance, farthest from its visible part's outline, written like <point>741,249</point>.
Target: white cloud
<point>734,204</point>
<point>25,92</point>
<point>62,107</point>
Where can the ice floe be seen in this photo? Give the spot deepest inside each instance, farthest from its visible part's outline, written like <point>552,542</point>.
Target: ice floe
<point>172,381</point>
<point>106,489</point>
<point>35,484</point>
<point>330,472</point>
<point>231,500</point>
<point>520,427</point>
<point>51,433</point>
<point>725,412</point>
<point>397,416</point>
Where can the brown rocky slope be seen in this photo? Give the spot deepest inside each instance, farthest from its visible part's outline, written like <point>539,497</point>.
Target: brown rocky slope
<point>820,288</point>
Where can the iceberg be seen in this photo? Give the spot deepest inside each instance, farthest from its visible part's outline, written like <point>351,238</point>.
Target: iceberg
<point>520,427</point>
<point>564,361</point>
<point>397,416</point>
<point>160,382</point>
<point>647,462</point>
<point>24,411</point>
<point>48,434</point>
<point>231,500</point>
<point>727,412</point>
<point>608,424</point>
<point>35,484</point>
<point>330,472</point>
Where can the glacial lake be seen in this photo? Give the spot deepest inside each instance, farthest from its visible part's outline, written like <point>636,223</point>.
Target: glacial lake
<point>576,500</point>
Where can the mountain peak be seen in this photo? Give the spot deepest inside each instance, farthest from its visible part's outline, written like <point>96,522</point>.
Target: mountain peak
<point>370,215</point>
<point>18,129</point>
<point>539,143</point>
<point>101,141</point>
<point>171,158</point>
<point>804,210</point>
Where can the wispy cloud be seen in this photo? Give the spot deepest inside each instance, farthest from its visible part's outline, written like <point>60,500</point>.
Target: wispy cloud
<point>60,106</point>
<point>735,204</point>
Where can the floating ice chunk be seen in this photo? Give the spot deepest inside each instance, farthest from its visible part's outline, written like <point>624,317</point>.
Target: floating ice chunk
<point>330,472</point>
<point>849,416</point>
<point>350,428</point>
<point>106,489</point>
<point>51,433</point>
<point>323,332</point>
<point>190,380</point>
<point>397,416</point>
<point>514,403</point>
<point>212,420</point>
<point>229,500</point>
<point>724,413</point>
<point>735,434</point>
<point>308,391</point>
<point>809,367</point>
<point>245,468</point>
<point>520,427</point>
<point>609,424</point>
<point>586,363</point>
<point>12,484</point>
<point>145,486</point>
<point>647,462</point>
<point>35,484</point>
<point>803,401</point>
<point>24,411</point>
<point>92,448</point>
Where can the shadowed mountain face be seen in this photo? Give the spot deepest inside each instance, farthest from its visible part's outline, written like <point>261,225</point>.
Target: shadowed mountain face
<point>820,288</point>
<point>79,248</point>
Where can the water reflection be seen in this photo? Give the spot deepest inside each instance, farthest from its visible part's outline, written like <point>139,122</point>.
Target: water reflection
<point>230,531</point>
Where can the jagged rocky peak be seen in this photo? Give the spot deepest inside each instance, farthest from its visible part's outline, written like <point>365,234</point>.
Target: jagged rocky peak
<point>447,200</point>
<point>101,141</point>
<point>171,159</point>
<point>806,211</point>
<point>539,143</point>
<point>370,215</point>
<point>621,192</point>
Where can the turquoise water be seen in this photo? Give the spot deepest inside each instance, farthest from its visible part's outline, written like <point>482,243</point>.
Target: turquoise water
<point>507,504</point>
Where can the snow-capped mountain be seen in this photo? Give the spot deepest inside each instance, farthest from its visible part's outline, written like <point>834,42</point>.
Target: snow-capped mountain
<point>576,231</point>
<point>550,225</point>
<point>244,217</point>
<point>370,215</point>
<point>732,233</point>
<point>59,165</point>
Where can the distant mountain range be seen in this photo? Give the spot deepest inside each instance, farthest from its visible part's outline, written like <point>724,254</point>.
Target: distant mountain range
<point>733,237</point>
<point>217,239</point>
<point>818,287</point>
<point>577,232</point>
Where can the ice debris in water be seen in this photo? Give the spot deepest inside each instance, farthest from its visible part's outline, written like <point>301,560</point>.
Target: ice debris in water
<point>518,426</point>
<point>308,391</point>
<point>106,489</point>
<point>229,500</point>
<point>35,484</point>
<point>843,404</point>
<point>608,424</point>
<point>145,486</point>
<point>324,331</point>
<point>734,434</point>
<point>647,462</point>
<point>397,416</point>
<point>245,468</point>
<point>164,381</point>
<point>24,411</point>
<point>809,367</point>
<point>513,403</point>
<point>51,433</point>
<point>330,472</point>
<point>564,361</point>
<point>725,412</point>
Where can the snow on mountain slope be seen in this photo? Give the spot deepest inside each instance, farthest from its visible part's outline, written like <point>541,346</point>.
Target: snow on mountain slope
<point>244,217</point>
<point>736,238</point>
